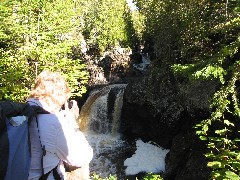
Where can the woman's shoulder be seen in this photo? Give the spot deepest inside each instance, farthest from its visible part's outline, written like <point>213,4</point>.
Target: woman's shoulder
<point>50,120</point>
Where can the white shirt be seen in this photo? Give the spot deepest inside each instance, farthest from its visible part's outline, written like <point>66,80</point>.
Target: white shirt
<point>63,142</point>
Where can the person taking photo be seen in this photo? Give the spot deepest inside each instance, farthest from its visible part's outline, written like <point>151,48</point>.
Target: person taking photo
<point>55,137</point>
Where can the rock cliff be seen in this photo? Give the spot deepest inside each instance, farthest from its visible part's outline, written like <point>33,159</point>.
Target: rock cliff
<point>164,108</point>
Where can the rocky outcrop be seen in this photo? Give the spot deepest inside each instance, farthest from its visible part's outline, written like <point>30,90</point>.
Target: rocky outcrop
<point>185,160</point>
<point>163,107</point>
<point>110,68</point>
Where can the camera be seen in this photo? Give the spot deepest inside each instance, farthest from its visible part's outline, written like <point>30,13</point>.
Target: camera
<point>70,104</point>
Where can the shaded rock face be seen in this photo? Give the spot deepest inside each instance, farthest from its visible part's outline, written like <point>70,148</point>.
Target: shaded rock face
<point>185,160</point>
<point>110,68</point>
<point>163,108</point>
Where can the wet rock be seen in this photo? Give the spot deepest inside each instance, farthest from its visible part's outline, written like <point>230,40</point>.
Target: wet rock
<point>163,108</point>
<point>185,160</point>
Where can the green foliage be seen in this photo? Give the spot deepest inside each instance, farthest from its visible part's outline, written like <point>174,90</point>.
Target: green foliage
<point>37,35</point>
<point>183,32</point>
<point>97,177</point>
<point>222,139</point>
<point>138,24</point>
<point>104,25</point>
<point>213,64</point>
<point>134,27</point>
<point>201,40</point>
<point>151,176</point>
<point>221,129</point>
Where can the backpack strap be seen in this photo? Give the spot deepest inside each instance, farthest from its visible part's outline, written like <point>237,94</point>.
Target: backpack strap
<point>39,110</point>
<point>55,174</point>
<point>43,177</point>
<point>4,144</point>
<point>54,170</point>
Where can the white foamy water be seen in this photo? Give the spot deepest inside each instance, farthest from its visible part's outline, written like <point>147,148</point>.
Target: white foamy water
<point>147,158</point>
<point>105,148</point>
<point>100,123</point>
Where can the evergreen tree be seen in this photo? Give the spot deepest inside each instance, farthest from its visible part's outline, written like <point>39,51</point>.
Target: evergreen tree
<point>37,35</point>
<point>200,39</point>
<point>104,25</point>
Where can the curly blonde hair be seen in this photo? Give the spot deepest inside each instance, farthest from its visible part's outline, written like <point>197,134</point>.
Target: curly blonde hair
<point>51,87</point>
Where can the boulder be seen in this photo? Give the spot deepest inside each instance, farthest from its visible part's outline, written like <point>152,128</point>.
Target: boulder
<point>164,108</point>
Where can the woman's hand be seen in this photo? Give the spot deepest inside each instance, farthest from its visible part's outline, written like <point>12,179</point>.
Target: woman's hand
<point>71,114</point>
<point>74,108</point>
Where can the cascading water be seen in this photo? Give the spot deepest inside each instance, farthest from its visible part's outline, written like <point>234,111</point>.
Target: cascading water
<point>97,114</point>
<point>100,120</point>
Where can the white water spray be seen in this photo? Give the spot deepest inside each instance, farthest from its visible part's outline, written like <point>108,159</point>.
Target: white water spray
<point>100,120</point>
<point>101,124</point>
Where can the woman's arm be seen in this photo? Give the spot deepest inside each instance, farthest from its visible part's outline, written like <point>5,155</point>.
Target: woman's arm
<point>72,146</point>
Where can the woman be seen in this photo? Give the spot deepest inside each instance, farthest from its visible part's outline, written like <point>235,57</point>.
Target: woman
<point>57,131</point>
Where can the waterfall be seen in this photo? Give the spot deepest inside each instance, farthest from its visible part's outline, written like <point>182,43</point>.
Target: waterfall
<point>102,111</point>
<point>146,58</point>
<point>99,120</point>
<point>85,111</point>
<point>117,112</point>
<point>89,111</point>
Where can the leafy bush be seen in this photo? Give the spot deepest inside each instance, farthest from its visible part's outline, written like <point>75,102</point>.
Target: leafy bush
<point>37,35</point>
<point>97,177</point>
<point>104,25</point>
<point>151,176</point>
<point>222,128</point>
<point>201,40</point>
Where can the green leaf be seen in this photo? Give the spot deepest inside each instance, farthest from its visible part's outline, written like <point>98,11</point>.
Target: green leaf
<point>238,157</point>
<point>232,175</point>
<point>221,132</point>
<point>227,122</point>
<point>236,165</point>
<point>203,138</point>
<point>205,127</point>
<point>211,145</point>
<point>214,164</point>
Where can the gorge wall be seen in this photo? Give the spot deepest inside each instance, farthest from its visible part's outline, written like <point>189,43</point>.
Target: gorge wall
<point>162,107</point>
